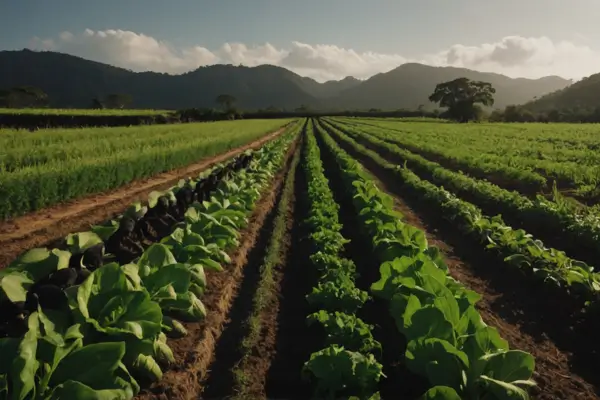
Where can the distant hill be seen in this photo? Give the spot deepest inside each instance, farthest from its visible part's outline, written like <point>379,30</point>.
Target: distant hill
<point>73,82</point>
<point>583,95</point>
<point>410,85</point>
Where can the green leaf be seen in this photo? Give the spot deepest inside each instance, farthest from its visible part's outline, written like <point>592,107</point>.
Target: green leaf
<point>156,256</point>
<point>25,365</point>
<point>101,360</point>
<point>40,262</point>
<point>14,285</point>
<point>76,390</point>
<point>81,241</point>
<point>441,393</point>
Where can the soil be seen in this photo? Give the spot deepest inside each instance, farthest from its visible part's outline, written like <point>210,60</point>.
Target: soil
<point>195,352</point>
<point>257,363</point>
<point>42,227</point>
<point>289,342</point>
<point>526,319</point>
<point>220,380</point>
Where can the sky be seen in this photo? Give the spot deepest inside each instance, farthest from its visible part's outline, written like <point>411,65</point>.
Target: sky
<point>322,39</point>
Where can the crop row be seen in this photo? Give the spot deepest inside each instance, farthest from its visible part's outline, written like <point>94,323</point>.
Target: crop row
<point>514,160</point>
<point>347,365</point>
<point>447,341</point>
<point>113,320</point>
<point>48,167</point>
<point>560,143</point>
<point>515,247</point>
<point>557,223</point>
<point>465,159</point>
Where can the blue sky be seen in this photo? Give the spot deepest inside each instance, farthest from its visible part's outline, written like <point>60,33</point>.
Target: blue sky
<point>411,30</point>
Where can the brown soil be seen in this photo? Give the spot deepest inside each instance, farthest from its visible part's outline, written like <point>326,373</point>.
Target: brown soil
<point>45,226</point>
<point>288,341</point>
<point>220,379</point>
<point>256,365</point>
<point>528,322</point>
<point>194,352</point>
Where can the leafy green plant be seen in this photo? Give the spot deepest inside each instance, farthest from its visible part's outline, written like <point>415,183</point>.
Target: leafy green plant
<point>337,370</point>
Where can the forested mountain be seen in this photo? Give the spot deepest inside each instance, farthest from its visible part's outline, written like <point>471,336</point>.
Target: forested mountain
<point>410,85</point>
<point>581,97</point>
<point>74,82</point>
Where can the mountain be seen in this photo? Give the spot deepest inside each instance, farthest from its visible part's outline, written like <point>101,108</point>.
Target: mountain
<point>72,81</point>
<point>410,85</point>
<point>583,95</point>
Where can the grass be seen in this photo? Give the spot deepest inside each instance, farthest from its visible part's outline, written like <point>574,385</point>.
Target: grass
<point>80,111</point>
<point>265,291</point>
<point>49,167</point>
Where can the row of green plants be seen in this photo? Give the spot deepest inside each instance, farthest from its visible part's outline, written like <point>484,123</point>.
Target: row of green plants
<point>67,171</point>
<point>107,336</point>
<point>347,365</point>
<point>579,230</point>
<point>447,341</point>
<point>462,158</point>
<point>514,246</point>
<point>266,290</point>
<point>565,154</point>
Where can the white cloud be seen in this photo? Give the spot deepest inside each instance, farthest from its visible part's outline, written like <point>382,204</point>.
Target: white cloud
<point>513,55</point>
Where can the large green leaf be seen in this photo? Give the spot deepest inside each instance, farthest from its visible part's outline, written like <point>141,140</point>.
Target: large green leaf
<point>76,390</point>
<point>14,286</point>
<point>81,241</point>
<point>25,365</point>
<point>101,361</point>
<point>40,262</point>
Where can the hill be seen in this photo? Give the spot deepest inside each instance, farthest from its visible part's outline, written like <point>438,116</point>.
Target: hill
<point>410,85</point>
<point>72,82</point>
<point>582,96</point>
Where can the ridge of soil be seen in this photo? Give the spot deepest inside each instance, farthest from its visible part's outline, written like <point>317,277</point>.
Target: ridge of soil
<point>259,360</point>
<point>194,352</point>
<point>44,226</point>
<point>528,321</point>
<point>292,341</point>
<point>220,380</point>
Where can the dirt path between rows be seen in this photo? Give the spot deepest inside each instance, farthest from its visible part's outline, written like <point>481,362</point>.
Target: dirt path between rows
<point>42,227</point>
<point>555,375</point>
<point>195,352</point>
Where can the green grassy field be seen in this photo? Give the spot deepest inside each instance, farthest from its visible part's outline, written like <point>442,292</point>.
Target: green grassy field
<point>54,165</point>
<point>79,111</point>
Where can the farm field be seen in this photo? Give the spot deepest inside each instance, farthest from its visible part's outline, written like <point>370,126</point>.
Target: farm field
<point>332,258</point>
<point>79,111</point>
<point>47,167</point>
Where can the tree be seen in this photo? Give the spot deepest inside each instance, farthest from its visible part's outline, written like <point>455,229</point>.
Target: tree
<point>116,100</point>
<point>23,96</point>
<point>460,96</point>
<point>97,104</point>
<point>226,101</point>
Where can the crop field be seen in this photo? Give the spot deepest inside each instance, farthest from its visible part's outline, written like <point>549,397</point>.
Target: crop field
<point>79,111</point>
<point>327,258</point>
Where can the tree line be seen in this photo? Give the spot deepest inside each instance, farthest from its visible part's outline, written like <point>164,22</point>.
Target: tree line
<point>461,98</point>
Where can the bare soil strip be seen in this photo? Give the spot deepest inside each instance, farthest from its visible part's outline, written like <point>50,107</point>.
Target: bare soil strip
<point>288,341</point>
<point>400,382</point>
<point>252,373</point>
<point>44,226</point>
<point>220,380</point>
<point>526,319</point>
<point>194,352</point>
